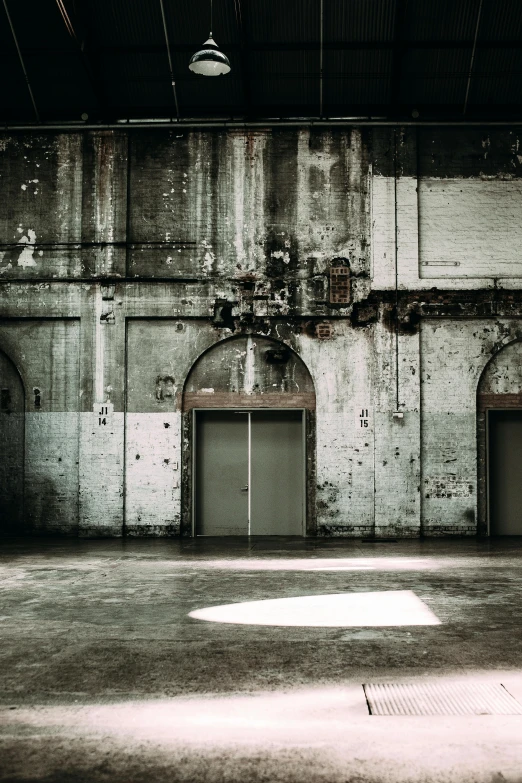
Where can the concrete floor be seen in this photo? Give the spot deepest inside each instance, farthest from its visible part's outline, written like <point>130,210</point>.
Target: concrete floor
<point>105,677</point>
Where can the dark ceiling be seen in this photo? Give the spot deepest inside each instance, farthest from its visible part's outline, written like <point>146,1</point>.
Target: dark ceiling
<point>446,59</point>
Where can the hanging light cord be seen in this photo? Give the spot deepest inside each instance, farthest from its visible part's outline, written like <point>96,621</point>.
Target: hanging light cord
<point>321,34</point>
<point>472,59</point>
<point>210,36</point>
<point>170,58</point>
<point>15,39</point>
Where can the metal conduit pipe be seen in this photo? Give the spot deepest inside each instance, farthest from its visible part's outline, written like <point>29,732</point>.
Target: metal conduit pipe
<point>224,124</point>
<point>396,270</point>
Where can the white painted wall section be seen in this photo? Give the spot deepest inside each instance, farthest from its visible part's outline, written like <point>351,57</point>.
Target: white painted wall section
<point>470,228</point>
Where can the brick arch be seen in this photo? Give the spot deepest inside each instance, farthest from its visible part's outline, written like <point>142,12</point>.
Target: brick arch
<point>499,386</point>
<point>242,380</point>
<point>249,371</point>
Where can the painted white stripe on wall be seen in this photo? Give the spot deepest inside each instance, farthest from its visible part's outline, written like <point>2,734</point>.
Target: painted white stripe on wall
<point>454,233</point>
<point>153,471</point>
<point>101,473</point>
<point>51,470</point>
<point>471,226</point>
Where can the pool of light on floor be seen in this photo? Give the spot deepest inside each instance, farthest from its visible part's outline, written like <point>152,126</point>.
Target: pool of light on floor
<point>337,610</point>
<point>314,564</point>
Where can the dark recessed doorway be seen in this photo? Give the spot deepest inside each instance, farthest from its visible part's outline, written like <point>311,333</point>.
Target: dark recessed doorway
<point>12,412</point>
<point>249,473</point>
<point>505,472</point>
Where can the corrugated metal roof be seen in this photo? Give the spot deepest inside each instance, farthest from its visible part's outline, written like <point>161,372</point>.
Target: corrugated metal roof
<point>380,57</point>
<point>285,78</point>
<point>189,22</point>
<point>444,20</point>
<point>497,77</point>
<point>500,21</point>
<point>357,78</point>
<point>359,20</point>
<point>282,21</point>
<point>129,23</point>
<point>436,76</point>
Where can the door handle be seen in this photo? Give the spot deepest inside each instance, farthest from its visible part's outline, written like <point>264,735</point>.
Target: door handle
<point>244,489</point>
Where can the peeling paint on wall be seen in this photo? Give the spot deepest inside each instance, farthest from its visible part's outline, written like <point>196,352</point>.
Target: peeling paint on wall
<point>26,257</point>
<point>235,259</point>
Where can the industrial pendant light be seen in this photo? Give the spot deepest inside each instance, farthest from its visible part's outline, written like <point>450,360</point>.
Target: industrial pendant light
<point>209,61</point>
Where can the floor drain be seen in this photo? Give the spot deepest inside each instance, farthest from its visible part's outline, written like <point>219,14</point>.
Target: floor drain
<point>440,699</point>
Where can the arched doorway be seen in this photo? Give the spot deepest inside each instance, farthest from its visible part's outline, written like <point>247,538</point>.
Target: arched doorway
<point>12,411</point>
<point>499,416</point>
<point>249,406</point>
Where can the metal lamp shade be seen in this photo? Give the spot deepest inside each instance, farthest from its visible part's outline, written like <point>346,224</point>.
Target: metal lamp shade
<point>209,61</point>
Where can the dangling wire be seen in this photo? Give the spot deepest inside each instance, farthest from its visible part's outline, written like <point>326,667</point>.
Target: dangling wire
<point>210,36</point>
<point>472,58</point>
<point>171,71</point>
<point>15,39</point>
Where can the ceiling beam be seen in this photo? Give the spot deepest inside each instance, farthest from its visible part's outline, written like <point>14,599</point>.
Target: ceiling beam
<point>367,118</point>
<point>290,46</point>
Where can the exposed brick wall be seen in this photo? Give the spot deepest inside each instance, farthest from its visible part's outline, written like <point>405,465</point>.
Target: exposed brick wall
<point>12,438</point>
<point>470,227</point>
<point>454,356</point>
<point>279,205</point>
<point>220,233</point>
<point>341,370</point>
<point>41,205</point>
<point>153,474</point>
<point>101,474</point>
<point>457,199</point>
<point>500,387</point>
<point>46,353</point>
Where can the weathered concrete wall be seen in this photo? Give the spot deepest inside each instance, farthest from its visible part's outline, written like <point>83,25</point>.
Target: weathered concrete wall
<point>470,199</point>
<point>276,204</point>
<point>341,367</point>
<point>45,352</point>
<point>503,374</point>
<point>41,205</point>
<point>12,438</point>
<point>386,260</point>
<point>158,361</point>
<point>453,359</point>
<point>456,202</point>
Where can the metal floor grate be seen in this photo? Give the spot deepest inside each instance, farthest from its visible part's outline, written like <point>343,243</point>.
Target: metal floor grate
<point>440,699</point>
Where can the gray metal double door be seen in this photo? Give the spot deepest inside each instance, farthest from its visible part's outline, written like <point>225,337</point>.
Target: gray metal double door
<point>249,473</point>
<point>505,472</point>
